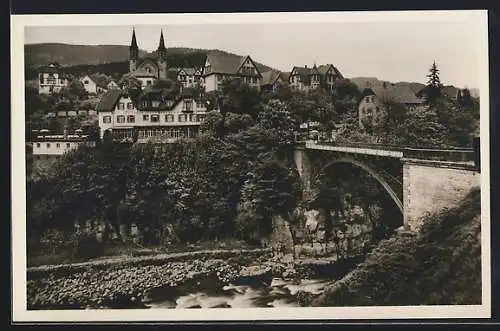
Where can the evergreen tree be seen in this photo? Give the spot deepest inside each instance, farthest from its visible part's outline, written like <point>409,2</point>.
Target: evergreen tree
<point>434,86</point>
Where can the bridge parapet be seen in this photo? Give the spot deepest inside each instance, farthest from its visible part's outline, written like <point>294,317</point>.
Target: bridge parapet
<point>440,154</point>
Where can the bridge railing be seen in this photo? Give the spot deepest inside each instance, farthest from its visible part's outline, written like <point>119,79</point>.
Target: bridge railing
<point>440,154</point>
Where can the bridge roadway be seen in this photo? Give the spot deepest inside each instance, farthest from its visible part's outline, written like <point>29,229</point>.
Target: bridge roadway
<point>451,155</point>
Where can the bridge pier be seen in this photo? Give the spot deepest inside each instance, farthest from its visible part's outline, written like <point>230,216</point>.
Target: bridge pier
<point>303,164</point>
<point>431,186</point>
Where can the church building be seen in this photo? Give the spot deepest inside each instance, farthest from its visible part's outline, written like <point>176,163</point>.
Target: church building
<point>151,67</point>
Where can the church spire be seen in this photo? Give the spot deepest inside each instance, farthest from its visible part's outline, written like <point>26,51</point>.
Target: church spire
<point>161,45</point>
<point>133,49</point>
<point>134,40</point>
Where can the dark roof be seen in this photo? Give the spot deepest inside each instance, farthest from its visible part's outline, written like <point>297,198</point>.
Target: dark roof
<point>323,69</point>
<point>394,92</point>
<point>226,63</point>
<point>303,72</point>
<point>108,100</point>
<point>270,77</point>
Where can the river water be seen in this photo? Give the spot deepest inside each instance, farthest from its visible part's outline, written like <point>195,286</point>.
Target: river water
<point>276,293</point>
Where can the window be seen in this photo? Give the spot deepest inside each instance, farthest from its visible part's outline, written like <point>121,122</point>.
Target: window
<point>41,79</point>
<point>130,105</point>
<point>130,119</point>
<point>208,68</point>
<point>188,105</point>
<point>200,118</point>
<point>155,118</point>
<point>148,70</point>
<point>121,106</point>
<point>48,145</point>
<point>58,145</point>
<point>182,118</point>
<point>86,82</point>
<point>120,119</point>
<point>169,118</point>
<point>219,78</point>
<point>68,145</point>
<point>199,104</point>
<point>38,145</point>
<point>145,117</point>
<point>156,103</point>
<point>106,119</point>
<point>148,83</point>
<point>190,117</point>
<point>254,80</point>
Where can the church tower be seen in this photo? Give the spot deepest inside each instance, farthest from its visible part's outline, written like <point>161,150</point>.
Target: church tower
<point>161,52</point>
<point>133,53</point>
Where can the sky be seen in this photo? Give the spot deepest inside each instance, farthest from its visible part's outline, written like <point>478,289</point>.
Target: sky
<point>392,50</point>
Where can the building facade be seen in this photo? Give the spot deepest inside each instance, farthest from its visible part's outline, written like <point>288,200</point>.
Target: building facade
<point>221,66</point>
<point>50,79</point>
<point>156,115</point>
<point>190,77</point>
<point>47,146</point>
<point>89,84</point>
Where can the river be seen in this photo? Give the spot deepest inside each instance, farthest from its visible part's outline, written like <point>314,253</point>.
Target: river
<point>276,293</point>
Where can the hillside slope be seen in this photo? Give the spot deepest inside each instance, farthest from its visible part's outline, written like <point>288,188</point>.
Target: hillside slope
<point>109,59</point>
<point>441,265</point>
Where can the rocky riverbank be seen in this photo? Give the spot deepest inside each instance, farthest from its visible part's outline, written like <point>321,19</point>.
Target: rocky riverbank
<point>131,282</point>
<point>120,283</point>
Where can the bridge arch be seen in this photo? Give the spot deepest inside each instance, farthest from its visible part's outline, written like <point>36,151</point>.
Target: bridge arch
<point>373,174</point>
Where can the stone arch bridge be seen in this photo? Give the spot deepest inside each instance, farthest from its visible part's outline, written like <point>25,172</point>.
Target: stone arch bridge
<point>419,181</point>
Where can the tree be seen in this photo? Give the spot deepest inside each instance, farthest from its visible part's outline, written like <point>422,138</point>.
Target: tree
<point>131,87</point>
<point>423,129</point>
<point>240,98</point>
<point>272,190</point>
<point>433,89</point>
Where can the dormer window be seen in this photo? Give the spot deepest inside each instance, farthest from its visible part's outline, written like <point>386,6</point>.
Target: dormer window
<point>148,70</point>
<point>188,105</point>
<point>208,68</point>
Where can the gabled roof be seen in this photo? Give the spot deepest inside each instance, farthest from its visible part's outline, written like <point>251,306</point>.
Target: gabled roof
<point>270,77</point>
<point>323,69</point>
<point>108,100</point>
<point>226,63</point>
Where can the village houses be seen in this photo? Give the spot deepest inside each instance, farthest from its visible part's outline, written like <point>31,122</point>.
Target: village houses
<point>51,79</point>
